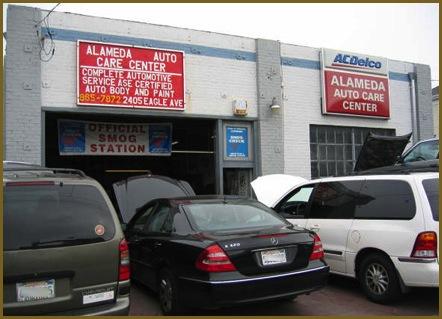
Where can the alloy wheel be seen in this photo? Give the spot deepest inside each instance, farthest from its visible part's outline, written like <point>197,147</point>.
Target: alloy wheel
<point>376,279</point>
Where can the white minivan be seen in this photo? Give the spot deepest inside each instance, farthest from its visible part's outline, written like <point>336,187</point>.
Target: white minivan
<point>381,229</point>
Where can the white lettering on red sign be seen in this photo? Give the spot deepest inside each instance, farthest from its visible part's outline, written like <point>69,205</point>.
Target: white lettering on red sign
<point>126,76</point>
<point>356,94</point>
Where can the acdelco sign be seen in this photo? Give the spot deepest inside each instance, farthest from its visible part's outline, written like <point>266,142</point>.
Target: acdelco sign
<point>354,85</point>
<point>342,59</point>
<point>354,62</point>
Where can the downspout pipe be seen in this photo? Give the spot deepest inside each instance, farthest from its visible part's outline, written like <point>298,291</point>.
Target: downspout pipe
<point>414,125</point>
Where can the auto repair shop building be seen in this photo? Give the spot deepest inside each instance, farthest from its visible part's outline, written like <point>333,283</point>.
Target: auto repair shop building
<point>118,98</point>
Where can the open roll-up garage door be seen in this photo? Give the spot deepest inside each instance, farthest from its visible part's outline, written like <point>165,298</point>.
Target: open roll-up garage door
<point>192,156</point>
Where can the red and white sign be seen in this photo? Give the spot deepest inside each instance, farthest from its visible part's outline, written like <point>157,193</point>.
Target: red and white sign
<point>359,92</point>
<point>114,139</point>
<point>356,94</point>
<point>128,76</point>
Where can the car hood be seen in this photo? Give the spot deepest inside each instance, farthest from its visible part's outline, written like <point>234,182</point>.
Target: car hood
<point>269,189</point>
<point>379,151</point>
<point>136,191</point>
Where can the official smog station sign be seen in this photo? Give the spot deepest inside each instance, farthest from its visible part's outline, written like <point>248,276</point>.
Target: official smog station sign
<point>128,76</point>
<point>354,85</point>
<point>124,139</point>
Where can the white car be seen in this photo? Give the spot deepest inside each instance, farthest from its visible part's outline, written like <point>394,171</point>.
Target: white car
<point>381,229</point>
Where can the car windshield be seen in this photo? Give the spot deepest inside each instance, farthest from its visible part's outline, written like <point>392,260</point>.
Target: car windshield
<point>232,215</point>
<point>424,151</point>
<point>43,216</point>
<point>431,187</point>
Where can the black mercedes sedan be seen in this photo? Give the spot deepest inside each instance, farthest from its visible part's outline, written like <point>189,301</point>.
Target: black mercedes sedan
<point>209,252</point>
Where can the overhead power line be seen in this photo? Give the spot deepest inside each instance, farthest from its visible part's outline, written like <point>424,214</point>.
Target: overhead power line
<point>49,13</point>
<point>46,53</point>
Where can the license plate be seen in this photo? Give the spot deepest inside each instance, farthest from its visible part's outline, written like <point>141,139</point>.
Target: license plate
<point>273,257</point>
<point>97,297</point>
<point>36,290</point>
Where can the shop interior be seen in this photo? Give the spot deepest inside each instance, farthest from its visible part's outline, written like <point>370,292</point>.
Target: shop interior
<point>192,158</point>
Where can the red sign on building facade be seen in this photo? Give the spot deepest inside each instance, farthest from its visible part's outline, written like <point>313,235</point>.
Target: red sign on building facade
<point>355,84</point>
<point>356,94</point>
<point>128,76</point>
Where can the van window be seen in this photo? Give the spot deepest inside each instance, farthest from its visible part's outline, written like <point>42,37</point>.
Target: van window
<point>336,200</point>
<point>431,187</point>
<point>386,199</point>
<point>296,203</point>
<point>303,195</point>
<point>54,215</point>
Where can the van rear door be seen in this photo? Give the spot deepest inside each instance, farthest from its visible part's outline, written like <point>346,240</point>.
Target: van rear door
<point>60,249</point>
<point>430,203</point>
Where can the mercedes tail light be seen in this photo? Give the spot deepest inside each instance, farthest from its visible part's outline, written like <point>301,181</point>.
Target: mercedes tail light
<point>214,259</point>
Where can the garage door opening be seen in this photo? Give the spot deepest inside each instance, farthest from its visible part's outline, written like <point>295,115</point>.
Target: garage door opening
<point>192,158</point>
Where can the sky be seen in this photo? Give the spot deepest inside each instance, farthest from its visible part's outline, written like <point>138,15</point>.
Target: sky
<point>404,32</point>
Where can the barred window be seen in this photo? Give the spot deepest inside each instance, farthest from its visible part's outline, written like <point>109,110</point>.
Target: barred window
<point>335,149</point>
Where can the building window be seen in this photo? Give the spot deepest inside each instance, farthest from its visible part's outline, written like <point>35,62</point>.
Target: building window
<point>335,149</point>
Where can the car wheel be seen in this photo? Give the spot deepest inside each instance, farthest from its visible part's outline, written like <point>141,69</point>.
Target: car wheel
<point>168,293</point>
<point>378,278</point>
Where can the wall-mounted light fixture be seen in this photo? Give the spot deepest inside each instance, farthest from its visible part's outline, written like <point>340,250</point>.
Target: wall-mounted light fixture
<point>239,107</point>
<point>274,105</point>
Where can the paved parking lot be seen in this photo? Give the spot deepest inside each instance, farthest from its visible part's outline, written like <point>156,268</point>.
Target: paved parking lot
<point>341,297</point>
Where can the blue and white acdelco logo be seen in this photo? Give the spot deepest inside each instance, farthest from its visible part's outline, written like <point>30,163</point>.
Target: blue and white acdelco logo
<point>356,61</point>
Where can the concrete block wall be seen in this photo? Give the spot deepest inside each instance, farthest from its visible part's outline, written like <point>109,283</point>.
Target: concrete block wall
<point>219,68</point>
<point>436,116</point>
<point>302,105</point>
<point>212,82</point>
<point>22,108</point>
<point>424,101</point>
<point>271,122</point>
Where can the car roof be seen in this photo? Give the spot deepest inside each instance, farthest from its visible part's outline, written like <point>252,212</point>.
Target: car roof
<point>432,139</point>
<point>208,199</point>
<point>404,168</point>
<point>428,139</point>
<point>373,176</point>
<point>8,165</point>
<point>13,171</point>
<point>219,198</point>
<point>412,147</point>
